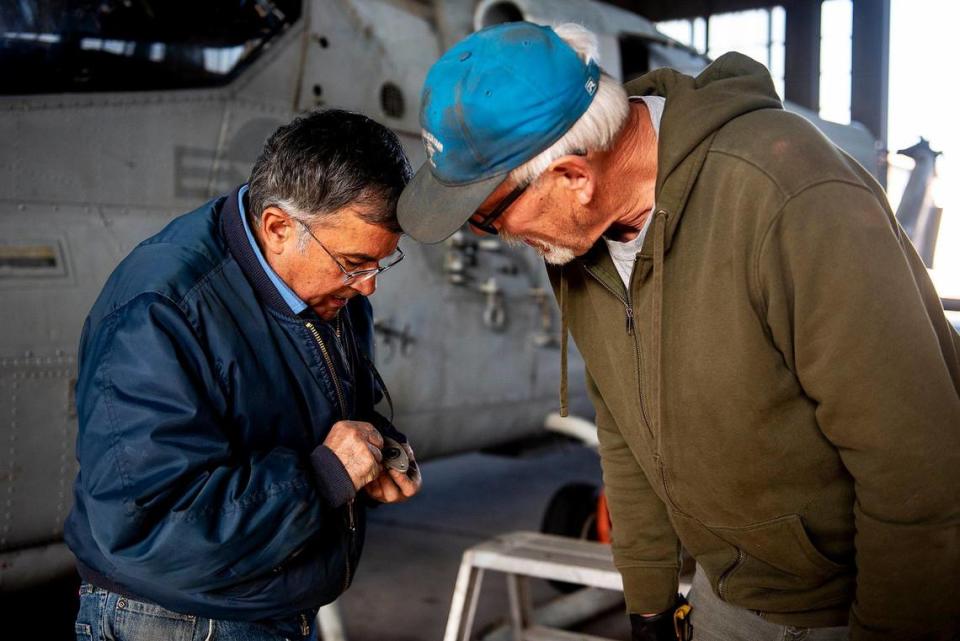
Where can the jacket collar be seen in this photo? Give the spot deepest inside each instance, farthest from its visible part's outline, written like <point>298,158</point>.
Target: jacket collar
<point>239,245</point>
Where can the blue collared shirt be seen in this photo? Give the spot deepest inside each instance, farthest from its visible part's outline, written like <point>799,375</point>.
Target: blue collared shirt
<point>296,304</point>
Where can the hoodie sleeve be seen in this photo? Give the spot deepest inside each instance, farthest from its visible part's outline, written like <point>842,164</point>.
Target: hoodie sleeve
<point>168,497</point>
<point>645,548</point>
<point>851,308</point>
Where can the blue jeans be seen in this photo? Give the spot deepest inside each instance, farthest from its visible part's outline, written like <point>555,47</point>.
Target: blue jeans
<point>108,616</point>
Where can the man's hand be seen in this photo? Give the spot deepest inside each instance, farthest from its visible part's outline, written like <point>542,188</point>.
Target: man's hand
<point>394,486</point>
<point>357,445</point>
<point>673,624</point>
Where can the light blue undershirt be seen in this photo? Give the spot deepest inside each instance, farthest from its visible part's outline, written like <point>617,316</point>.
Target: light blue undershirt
<point>296,304</point>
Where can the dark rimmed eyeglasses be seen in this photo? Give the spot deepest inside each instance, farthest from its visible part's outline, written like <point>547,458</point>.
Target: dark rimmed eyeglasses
<point>486,225</point>
<point>356,275</point>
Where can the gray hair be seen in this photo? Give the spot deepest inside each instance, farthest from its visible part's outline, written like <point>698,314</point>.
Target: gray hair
<point>597,127</point>
<point>326,160</point>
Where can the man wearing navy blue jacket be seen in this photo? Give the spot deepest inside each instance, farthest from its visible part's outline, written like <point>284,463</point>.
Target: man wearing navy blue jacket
<point>226,398</point>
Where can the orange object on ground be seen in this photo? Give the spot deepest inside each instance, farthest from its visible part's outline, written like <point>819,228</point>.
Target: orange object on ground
<point>603,519</point>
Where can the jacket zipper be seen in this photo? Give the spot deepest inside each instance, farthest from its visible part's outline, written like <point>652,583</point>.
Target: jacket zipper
<point>722,583</point>
<point>333,371</point>
<point>352,525</point>
<point>631,331</point>
<point>351,519</point>
<point>304,625</point>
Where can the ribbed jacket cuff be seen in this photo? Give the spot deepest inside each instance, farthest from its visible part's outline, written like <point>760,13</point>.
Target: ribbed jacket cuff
<point>649,589</point>
<point>333,482</point>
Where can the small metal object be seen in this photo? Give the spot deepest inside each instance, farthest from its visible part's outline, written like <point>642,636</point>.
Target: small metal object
<point>494,314</point>
<point>394,456</point>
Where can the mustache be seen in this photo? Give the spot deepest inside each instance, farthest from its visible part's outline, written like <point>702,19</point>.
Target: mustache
<point>510,239</point>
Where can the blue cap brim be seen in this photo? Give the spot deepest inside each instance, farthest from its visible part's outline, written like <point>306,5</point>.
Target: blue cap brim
<point>430,211</point>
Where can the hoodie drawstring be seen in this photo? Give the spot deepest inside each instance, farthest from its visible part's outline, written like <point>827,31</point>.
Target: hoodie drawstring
<point>564,406</point>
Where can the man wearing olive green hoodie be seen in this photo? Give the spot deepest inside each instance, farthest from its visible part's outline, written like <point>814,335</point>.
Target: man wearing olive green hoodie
<point>775,383</point>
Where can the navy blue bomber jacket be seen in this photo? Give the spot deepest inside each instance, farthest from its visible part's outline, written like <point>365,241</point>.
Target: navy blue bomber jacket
<point>203,404</point>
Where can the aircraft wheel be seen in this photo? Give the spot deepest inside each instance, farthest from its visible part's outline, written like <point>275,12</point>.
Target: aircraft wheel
<point>572,512</point>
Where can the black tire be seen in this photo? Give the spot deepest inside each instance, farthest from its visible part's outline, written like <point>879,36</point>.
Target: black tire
<point>572,512</point>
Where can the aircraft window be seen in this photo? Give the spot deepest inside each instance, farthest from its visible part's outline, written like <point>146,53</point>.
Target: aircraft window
<point>501,12</point>
<point>30,259</point>
<point>56,46</point>
<point>391,100</point>
<point>634,57</point>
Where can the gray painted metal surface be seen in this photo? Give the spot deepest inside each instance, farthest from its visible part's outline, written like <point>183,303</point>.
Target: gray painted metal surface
<point>468,331</point>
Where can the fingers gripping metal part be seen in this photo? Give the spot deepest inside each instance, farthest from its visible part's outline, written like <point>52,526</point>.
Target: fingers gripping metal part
<point>394,455</point>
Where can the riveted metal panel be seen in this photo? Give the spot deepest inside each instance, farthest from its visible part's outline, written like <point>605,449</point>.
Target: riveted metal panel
<point>37,461</point>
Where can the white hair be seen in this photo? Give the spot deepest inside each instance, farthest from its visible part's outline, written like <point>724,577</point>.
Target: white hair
<point>600,123</point>
<point>306,219</point>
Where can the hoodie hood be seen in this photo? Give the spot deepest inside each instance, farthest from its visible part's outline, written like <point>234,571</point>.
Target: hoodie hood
<point>731,86</point>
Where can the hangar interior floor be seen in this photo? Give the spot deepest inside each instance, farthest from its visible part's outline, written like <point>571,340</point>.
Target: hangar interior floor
<point>403,589</point>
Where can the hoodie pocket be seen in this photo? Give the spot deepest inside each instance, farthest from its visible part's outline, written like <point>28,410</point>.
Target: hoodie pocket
<point>712,553</point>
<point>768,565</point>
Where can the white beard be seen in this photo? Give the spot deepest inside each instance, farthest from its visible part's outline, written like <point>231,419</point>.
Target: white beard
<point>556,255</point>
<point>553,254</point>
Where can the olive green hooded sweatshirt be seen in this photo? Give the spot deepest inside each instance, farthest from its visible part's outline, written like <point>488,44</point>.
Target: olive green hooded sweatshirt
<point>778,389</point>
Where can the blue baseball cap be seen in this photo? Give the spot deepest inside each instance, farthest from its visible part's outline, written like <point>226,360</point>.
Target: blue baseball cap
<point>489,104</point>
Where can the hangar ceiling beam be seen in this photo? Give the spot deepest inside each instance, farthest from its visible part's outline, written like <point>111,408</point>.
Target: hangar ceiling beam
<point>870,66</point>
<point>801,66</point>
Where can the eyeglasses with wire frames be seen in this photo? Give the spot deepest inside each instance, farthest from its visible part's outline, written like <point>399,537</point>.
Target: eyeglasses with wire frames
<point>355,275</point>
<point>486,225</point>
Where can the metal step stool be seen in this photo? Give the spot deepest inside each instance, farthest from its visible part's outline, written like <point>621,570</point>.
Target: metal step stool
<point>528,554</point>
